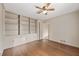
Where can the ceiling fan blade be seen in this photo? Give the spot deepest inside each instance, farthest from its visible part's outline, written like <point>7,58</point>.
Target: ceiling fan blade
<point>38,7</point>
<point>50,9</point>
<point>39,12</point>
<point>47,4</point>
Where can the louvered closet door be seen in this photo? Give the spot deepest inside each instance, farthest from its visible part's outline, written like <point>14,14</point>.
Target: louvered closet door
<point>24,25</point>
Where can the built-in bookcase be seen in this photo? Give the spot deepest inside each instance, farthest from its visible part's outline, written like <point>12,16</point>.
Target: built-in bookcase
<point>19,25</point>
<point>24,25</point>
<point>11,24</point>
<point>32,26</point>
<point>19,29</point>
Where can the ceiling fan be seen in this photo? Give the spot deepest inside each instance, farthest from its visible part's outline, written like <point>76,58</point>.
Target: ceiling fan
<point>45,8</point>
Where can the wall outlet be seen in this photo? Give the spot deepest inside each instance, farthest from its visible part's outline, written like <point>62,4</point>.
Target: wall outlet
<point>62,40</point>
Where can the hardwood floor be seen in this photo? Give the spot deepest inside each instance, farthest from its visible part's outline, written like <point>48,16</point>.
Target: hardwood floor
<point>42,48</point>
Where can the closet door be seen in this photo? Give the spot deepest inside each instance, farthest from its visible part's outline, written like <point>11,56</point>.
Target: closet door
<point>33,25</point>
<point>24,25</point>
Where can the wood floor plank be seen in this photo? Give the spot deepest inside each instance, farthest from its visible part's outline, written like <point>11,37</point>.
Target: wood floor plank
<point>42,48</point>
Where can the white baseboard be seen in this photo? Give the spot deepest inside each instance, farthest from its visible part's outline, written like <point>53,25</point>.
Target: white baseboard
<point>67,43</point>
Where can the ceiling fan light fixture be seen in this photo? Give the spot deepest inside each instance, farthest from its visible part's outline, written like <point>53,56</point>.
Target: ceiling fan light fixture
<point>44,9</point>
<point>44,12</point>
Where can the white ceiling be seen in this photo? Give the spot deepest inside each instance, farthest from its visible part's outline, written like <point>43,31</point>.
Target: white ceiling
<point>28,9</point>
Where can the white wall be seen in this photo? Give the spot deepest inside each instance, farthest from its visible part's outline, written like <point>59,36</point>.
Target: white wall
<point>65,29</point>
